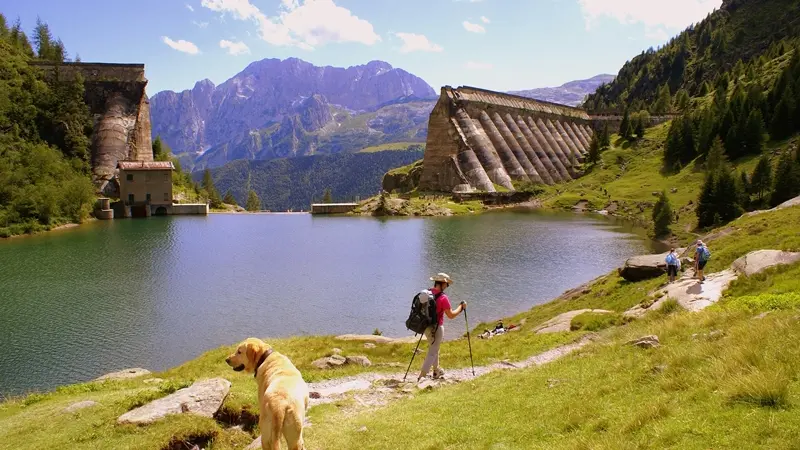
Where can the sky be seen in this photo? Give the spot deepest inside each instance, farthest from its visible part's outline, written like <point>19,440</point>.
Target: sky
<point>494,44</point>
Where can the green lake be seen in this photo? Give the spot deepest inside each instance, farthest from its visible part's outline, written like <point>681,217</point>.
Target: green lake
<point>156,292</point>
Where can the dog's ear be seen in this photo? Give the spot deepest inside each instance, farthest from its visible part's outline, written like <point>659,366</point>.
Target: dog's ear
<point>253,351</point>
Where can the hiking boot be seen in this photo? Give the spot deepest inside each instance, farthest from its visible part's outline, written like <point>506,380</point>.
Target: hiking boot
<point>438,373</point>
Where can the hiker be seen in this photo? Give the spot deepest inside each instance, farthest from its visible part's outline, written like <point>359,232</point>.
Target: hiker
<point>440,282</point>
<point>673,262</point>
<point>701,255</point>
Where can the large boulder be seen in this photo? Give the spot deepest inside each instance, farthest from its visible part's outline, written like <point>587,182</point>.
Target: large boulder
<point>645,267</point>
<point>80,405</point>
<point>759,260</point>
<point>203,398</point>
<point>124,374</point>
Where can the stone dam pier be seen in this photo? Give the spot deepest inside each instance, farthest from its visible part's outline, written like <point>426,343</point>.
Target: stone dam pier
<point>481,141</point>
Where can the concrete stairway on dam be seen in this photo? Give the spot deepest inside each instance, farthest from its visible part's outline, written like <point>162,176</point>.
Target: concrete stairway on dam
<point>480,139</point>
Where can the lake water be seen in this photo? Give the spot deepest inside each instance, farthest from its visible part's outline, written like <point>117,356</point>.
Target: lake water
<point>79,303</point>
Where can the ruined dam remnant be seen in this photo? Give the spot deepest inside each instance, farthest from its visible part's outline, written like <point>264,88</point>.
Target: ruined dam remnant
<point>116,97</point>
<point>479,139</point>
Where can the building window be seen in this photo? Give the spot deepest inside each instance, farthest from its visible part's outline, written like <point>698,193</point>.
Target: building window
<point>129,177</point>
<point>148,198</point>
<point>166,177</point>
<point>130,199</point>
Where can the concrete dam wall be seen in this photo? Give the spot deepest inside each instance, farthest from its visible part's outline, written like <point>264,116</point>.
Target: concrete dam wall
<point>116,97</point>
<point>479,139</point>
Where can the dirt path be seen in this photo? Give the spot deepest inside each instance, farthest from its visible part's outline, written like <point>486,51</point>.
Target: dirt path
<point>376,389</point>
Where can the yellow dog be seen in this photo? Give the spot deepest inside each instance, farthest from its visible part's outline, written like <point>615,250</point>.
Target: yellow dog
<point>282,393</point>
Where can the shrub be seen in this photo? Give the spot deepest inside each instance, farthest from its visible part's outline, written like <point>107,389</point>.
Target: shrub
<point>766,301</point>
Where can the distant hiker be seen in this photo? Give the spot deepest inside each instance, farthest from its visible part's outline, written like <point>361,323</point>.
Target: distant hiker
<point>672,264</point>
<point>701,256</point>
<point>435,333</point>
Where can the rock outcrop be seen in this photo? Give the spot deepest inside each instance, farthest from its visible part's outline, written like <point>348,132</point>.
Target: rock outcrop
<point>203,398</point>
<point>124,374</point>
<point>561,322</point>
<point>650,341</point>
<point>75,407</point>
<point>757,261</point>
<point>644,267</point>
<point>403,179</point>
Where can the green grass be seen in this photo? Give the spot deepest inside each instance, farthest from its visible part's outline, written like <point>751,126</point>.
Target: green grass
<point>590,321</point>
<point>698,390</point>
<point>631,173</point>
<point>391,146</point>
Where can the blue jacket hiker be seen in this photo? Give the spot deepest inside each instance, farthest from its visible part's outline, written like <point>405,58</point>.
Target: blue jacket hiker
<point>701,257</point>
<point>673,264</point>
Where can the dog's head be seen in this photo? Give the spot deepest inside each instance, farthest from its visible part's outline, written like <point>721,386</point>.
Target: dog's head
<point>247,354</point>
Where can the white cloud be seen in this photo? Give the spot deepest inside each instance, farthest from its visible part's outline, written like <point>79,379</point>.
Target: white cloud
<point>181,45</point>
<point>473,65</point>
<point>200,24</point>
<point>473,27</point>
<point>302,23</point>
<point>413,42</point>
<point>190,7</point>
<point>654,14</point>
<point>234,48</point>
<point>485,19</point>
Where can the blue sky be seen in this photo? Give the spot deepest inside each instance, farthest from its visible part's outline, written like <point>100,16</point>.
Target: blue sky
<point>494,44</point>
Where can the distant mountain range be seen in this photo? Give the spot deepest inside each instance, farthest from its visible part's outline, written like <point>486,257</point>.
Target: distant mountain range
<point>285,108</point>
<point>572,93</point>
<point>279,108</point>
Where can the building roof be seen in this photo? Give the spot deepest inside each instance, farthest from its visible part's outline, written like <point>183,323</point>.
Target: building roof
<point>145,165</point>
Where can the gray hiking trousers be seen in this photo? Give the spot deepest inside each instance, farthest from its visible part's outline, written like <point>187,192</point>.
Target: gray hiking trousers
<point>432,358</point>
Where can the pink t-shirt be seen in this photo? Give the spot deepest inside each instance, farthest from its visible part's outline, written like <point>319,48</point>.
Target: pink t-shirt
<point>442,304</point>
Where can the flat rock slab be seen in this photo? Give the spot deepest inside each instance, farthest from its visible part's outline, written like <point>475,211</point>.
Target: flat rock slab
<point>760,260</point>
<point>562,322</point>
<point>787,204</point>
<point>202,398</point>
<point>124,374</point>
<point>690,293</point>
<point>375,339</point>
<point>645,267</point>
<point>80,405</point>
<point>646,342</point>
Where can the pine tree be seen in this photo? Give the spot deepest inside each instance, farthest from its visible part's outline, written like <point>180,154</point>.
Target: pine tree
<point>707,131</point>
<point>158,149</point>
<point>728,197</point>
<point>761,180</point>
<point>208,185</point>
<point>716,158</point>
<point>253,203</point>
<point>605,137</point>
<point>663,100</point>
<point>781,126</point>
<point>625,127</point>
<point>754,133</point>
<point>43,40</point>
<point>229,199</point>
<point>787,180</point>
<point>743,187</point>
<point>662,215</point>
<point>594,150</point>
<point>327,197</point>
<point>706,203</point>
<point>682,100</point>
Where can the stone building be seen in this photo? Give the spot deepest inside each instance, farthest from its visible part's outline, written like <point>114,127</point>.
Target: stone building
<point>146,185</point>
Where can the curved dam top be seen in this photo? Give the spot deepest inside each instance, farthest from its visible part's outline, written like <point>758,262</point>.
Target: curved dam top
<point>479,140</point>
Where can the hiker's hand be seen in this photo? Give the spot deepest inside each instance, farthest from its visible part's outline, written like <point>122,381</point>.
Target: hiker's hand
<point>463,305</point>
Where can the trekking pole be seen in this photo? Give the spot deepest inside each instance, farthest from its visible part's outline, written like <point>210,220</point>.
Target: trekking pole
<point>412,357</point>
<point>469,342</point>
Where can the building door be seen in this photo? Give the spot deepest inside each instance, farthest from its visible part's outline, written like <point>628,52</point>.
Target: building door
<point>130,199</point>
<point>148,198</point>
